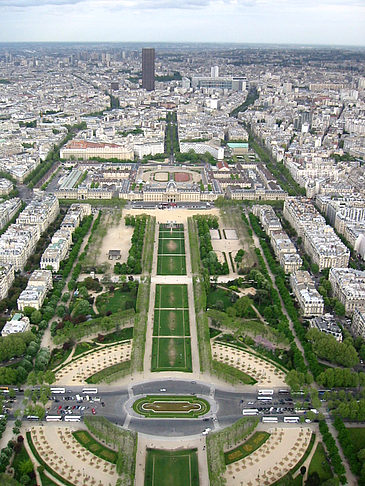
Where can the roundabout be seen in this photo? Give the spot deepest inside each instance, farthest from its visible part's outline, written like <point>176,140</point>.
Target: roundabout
<point>172,406</point>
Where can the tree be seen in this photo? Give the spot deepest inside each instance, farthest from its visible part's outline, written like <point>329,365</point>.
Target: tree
<point>49,377</point>
<point>303,470</point>
<point>339,308</point>
<point>26,466</point>
<point>36,317</point>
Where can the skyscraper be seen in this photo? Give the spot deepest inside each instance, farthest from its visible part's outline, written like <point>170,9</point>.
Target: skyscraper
<point>148,69</point>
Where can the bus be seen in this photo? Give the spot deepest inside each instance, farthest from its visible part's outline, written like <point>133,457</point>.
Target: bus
<point>270,420</point>
<point>291,420</point>
<point>72,418</point>
<point>250,411</point>
<point>53,418</point>
<point>90,390</point>
<point>57,390</point>
<point>264,399</point>
<point>4,389</point>
<point>265,392</point>
<point>32,417</point>
<point>283,391</point>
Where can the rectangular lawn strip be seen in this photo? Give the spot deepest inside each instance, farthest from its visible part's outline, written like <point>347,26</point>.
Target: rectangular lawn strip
<point>171,296</point>
<point>166,468</point>
<point>171,323</point>
<point>95,447</point>
<point>320,464</point>
<point>171,265</point>
<point>171,246</point>
<point>171,354</point>
<point>247,448</point>
<point>171,234</point>
<point>108,372</point>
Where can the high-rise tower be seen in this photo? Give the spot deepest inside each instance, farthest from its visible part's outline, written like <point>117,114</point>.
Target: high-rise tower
<point>148,69</point>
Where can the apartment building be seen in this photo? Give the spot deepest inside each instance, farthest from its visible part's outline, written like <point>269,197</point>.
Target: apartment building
<point>35,293</point>
<point>82,149</point>
<point>17,244</point>
<point>54,254</point>
<point>6,279</point>
<point>301,214</point>
<point>348,285</point>
<point>358,323</point>
<point>8,210</point>
<point>74,216</point>
<point>270,222</point>
<point>325,248</point>
<point>6,186</point>
<point>309,299</point>
<point>41,212</point>
<point>18,323</point>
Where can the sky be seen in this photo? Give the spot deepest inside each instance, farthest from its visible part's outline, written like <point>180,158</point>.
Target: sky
<point>327,22</point>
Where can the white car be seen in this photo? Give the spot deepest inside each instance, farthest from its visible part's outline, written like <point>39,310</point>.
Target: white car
<point>206,431</point>
<point>162,389</point>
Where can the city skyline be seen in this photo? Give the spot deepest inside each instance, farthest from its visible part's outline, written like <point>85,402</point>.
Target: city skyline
<point>327,22</point>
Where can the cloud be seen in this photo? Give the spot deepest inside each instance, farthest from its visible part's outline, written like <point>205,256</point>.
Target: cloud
<point>181,4</point>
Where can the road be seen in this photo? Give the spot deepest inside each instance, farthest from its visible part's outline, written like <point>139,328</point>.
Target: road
<point>116,405</point>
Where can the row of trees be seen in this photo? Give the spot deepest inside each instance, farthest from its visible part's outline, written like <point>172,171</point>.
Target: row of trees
<point>134,261</point>
<point>347,406</point>
<point>340,377</point>
<point>208,256</point>
<point>327,347</point>
<point>332,450</point>
<point>355,459</point>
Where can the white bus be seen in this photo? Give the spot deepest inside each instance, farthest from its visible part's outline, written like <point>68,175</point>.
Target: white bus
<point>265,392</point>
<point>57,390</point>
<point>283,391</point>
<point>264,399</point>
<point>53,418</point>
<point>250,411</point>
<point>90,390</point>
<point>270,420</point>
<point>32,417</point>
<point>72,418</point>
<point>291,420</point>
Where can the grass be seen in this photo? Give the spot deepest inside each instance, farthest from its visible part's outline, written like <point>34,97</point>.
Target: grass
<point>357,435</point>
<point>115,301</point>
<point>95,447</point>
<point>176,406</point>
<point>19,457</point>
<point>245,449</point>
<point>194,246</point>
<point>320,464</point>
<point>164,468</point>
<point>221,295</point>
<point>171,323</point>
<point>171,354</point>
<point>171,234</point>
<point>171,246</point>
<point>171,296</point>
<point>171,265</point>
<point>116,336</point>
<point>111,373</point>
<point>42,463</point>
<point>58,356</point>
<point>230,374</point>
<point>83,348</point>
<point>46,481</point>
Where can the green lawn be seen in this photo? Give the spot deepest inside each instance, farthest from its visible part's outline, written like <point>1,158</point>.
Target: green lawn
<point>357,435</point>
<point>19,457</point>
<point>246,448</point>
<point>166,468</point>
<point>171,297</point>
<point>95,447</point>
<point>171,323</point>
<point>169,406</point>
<point>219,295</point>
<point>83,347</point>
<point>320,464</point>
<point>171,234</point>
<point>171,246</point>
<point>116,336</point>
<point>46,481</point>
<point>171,265</point>
<point>115,301</point>
<point>171,354</point>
